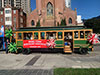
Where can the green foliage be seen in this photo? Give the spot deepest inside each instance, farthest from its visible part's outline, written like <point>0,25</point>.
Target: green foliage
<point>93,23</point>
<point>8,33</point>
<point>58,24</point>
<point>63,22</point>
<point>12,47</point>
<point>70,71</point>
<point>38,23</point>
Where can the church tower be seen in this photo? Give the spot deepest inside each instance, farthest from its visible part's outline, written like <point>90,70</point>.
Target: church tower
<point>68,3</point>
<point>51,12</point>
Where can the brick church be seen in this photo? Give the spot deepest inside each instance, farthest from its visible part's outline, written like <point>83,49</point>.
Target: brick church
<point>51,12</point>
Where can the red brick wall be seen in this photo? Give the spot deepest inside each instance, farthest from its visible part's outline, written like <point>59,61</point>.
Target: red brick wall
<point>32,16</point>
<point>17,15</point>
<point>2,16</point>
<point>18,18</point>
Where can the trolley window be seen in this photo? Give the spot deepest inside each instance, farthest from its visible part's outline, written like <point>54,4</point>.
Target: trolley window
<point>19,35</point>
<point>50,35</point>
<point>36,35</point>
<point>28,36</point>
<point>42,35</point>
<point>81,34</point>
<point>87,33</point>
<point>76,35</point>
<point>60,35</point>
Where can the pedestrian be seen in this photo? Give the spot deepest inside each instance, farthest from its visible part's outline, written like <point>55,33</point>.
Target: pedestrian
<point>69,36</point>
<point>7,43</point>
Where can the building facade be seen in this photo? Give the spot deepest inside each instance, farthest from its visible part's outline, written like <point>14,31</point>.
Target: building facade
<point>79,20</point>
<point>51,12</point>
<point>68,3</point>
<point>24,4</point>
<point>12,17</point>
<point>0,3</point>
<point>6,2</point>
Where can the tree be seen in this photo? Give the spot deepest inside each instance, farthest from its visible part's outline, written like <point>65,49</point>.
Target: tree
<point>58,24</point>
<point>38,23</point>
<point>63,22</point>
<point>93,23</point>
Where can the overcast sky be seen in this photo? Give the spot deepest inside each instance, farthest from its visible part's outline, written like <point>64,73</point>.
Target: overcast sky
<point>86,8</point>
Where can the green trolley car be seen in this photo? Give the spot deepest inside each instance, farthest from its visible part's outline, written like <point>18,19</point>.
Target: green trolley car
<point>69,39</point>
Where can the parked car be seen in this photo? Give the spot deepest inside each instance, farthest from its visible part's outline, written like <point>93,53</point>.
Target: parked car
<point>99,38</point>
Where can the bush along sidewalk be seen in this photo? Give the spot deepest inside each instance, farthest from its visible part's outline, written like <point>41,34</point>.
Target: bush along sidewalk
<point>71,71</point>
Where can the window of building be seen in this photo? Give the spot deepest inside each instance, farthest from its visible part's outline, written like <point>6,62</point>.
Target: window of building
<point>81,34</point>
<point>8,18</point>
<point>76,34</point>
<point>21,13</point>
<point>60,35</point>
<point>21,25</point>
<point>1,19</point>
<point>14,35</point>
<point>14,26</point>
<point>32,23</point>
<point>35,35</point>
<point>21,20</point>
<point>14,11</point>
<point>70,21</point>
<point>42,35</point>
<point>1,12</point>
<point>14,19</point>
<point>49,9</point>
<point>8,11</point>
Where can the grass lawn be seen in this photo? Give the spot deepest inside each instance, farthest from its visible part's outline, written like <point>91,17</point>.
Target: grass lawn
<point>70,71</point>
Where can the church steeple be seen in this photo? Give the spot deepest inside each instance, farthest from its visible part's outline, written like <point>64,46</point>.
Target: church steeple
<point>68,3</point>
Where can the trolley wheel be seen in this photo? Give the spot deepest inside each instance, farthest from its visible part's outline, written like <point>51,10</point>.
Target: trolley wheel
<point>84,51</point>
<point>26,51</point>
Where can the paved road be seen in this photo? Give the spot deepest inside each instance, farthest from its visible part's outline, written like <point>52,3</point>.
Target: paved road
<point>26,72</point>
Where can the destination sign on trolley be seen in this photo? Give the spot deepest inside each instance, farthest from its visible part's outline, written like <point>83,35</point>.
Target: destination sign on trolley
<point>34,43</point>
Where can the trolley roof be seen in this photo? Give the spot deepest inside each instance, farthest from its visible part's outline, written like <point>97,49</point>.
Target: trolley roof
<point>51,28</point>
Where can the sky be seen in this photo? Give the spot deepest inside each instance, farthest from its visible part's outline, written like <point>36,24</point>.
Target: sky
<point>86,8</point>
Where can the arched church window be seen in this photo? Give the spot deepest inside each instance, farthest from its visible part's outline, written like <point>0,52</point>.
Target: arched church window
<point>49,9</point>
<point>70,21</point>
<point>32,23</point>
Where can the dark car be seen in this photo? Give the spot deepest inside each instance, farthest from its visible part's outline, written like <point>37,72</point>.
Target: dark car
<point>99,38</point>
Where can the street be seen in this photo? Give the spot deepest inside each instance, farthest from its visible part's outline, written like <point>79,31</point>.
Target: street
<point>44,63</point>
<point>26,72</point>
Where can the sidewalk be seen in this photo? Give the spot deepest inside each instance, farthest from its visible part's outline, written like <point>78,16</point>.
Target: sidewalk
<point>49,60</point>
<point>2,52</point>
